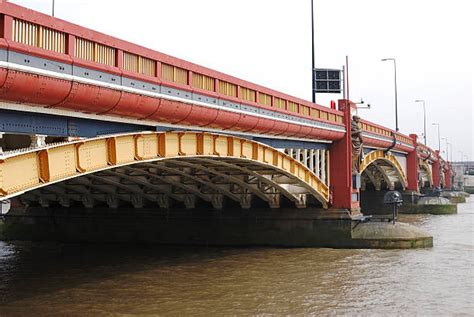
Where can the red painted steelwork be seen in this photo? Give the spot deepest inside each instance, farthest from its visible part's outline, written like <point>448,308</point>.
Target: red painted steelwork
<point>412,167</point>
<point>49,92</point>
<point>172,111</point>
<point>28,88</point>
<point>46,91</point>
<point>132,105</point>
<point>90,99</point>
<point>341,165</point>
<point>447,176</point>
<point>385,144</point>
<point>431,153</point>
<point>436,171</point>
<point>226,120</point>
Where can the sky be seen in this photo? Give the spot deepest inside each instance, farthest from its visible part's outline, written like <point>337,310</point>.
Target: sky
<point>268,42</point>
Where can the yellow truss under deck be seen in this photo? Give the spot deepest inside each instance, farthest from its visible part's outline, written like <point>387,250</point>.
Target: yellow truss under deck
<point>32,169</point>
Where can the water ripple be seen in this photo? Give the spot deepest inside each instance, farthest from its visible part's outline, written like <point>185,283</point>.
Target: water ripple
<point>75,280</point>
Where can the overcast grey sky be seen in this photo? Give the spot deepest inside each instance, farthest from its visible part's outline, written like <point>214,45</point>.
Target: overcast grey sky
<point>269,42</point>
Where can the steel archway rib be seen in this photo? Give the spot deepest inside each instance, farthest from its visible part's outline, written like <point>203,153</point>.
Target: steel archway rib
<point>230,178</point>
<point>164,180</point>
<point>277,186</point>
<point>194,178</point>
<point>31,169</point>
<point>387,158</point>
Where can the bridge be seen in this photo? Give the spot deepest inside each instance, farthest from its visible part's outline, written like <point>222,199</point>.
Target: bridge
<point>90,120</point>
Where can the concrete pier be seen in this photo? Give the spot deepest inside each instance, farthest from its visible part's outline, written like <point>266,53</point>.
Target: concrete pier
<point>379,235</point>
<point>413,203</point>
<point>282,228</point>
<point>456,197</point>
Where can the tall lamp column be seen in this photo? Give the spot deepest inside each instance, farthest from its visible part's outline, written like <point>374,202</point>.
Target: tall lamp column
<point>439,136</point>
<point>424,119</point>
<point>396,94</point>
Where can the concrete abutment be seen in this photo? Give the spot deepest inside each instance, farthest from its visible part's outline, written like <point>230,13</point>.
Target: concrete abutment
<point>270,228</point>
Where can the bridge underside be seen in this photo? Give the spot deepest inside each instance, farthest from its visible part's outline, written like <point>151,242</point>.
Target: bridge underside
<point>172,169</point>
<point>381,170</point>
<point>182,183</point>
<point>380,176</point>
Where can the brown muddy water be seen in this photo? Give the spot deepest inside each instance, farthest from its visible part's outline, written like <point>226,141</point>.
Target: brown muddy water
<point>44,279</point>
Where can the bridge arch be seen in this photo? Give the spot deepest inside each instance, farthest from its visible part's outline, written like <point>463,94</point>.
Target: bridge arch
<point>379,167</point>
<point>161,168</point>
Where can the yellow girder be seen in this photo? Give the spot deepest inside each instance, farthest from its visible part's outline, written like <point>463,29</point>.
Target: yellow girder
<point>388,157</point>
<point>24,171</point>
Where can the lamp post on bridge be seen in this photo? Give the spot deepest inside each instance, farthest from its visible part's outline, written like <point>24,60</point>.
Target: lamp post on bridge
<point>53,8</point>
<point>396,94</point>
<point>424,118</point>
<point>450,157</point>
<point>439,136</point>
<point>447,147</point>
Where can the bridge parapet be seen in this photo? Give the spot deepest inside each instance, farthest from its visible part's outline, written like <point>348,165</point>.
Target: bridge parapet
<point>426,153</point>
<point>380,136</point>
<point>96,64</point>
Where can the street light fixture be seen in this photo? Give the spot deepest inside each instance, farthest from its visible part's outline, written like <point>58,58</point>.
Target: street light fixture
<point>396,95</point>
<point>424,118</point>
<point>361,102</point>
<point>439,136</point>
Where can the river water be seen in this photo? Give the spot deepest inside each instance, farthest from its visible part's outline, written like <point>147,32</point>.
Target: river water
<point>83,280</point>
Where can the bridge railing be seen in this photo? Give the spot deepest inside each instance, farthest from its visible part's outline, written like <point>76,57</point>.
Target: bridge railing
<point>380,136</point>
<point>426,153</point>
<point>29,31</point>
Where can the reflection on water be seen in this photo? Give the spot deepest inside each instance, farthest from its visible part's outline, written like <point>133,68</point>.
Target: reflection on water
<point>73,280</point>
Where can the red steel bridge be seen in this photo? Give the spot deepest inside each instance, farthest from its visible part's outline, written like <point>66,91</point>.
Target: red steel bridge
<point>108,122</point>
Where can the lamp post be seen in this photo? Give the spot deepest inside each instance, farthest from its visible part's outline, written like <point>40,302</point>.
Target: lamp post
<point>447,148</point>
<point>450,157</point>
<point>396,95</point>
<point>313,93</point>
<point>439,137</point>
<point>53,9</point>
<point>424,118</point>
